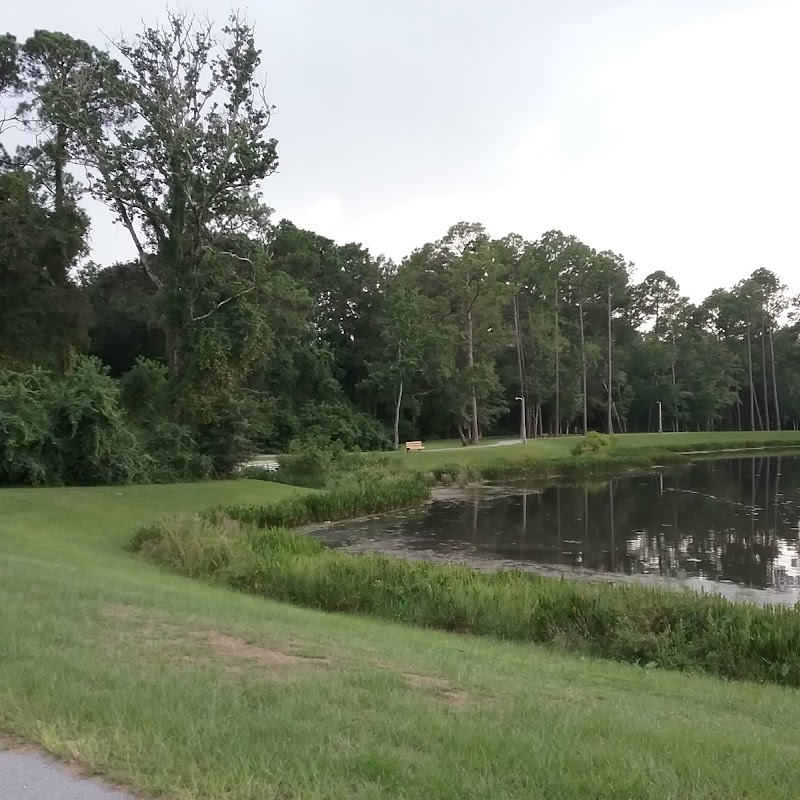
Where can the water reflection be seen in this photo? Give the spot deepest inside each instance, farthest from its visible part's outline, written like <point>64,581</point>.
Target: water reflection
<point>727,521</point>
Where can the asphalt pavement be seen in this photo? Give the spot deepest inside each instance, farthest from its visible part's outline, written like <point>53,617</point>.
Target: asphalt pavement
<point>31,776</point>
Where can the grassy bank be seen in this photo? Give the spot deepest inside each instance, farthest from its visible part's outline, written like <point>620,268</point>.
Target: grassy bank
<point>649,627</point>
<point>342,502</point>
<point>186,689</point>
<point>545,457</point>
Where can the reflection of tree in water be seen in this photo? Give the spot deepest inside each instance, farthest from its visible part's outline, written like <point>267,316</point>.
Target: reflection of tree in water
<point>732,520</point>
<point>724,520</point>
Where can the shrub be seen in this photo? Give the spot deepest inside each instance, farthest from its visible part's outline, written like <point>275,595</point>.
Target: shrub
<point>26,446</point>
<point>66,429</point>
<point>336,420</point>
<point>171,449</point>
<point>593,444</point>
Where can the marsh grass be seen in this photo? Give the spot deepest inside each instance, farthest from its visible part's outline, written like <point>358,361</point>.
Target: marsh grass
<point>358,498</point>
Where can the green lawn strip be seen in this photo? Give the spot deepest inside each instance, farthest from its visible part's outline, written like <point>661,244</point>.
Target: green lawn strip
<point>181,688</point>
<point>548,456</point>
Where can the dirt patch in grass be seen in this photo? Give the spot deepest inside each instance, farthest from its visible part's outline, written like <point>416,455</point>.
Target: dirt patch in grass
<point>161,638</point>
<point>233,647</point>
<point>438,688</point>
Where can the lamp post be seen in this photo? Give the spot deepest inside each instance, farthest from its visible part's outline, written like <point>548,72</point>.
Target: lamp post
<point>523,427</point>
<point>660,418</point>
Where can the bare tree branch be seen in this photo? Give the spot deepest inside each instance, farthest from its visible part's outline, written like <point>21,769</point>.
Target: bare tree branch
<point>222,303</point>
<point>144,258</point>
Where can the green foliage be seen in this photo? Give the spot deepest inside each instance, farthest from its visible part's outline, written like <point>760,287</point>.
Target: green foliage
<point>124,318</point>
<point>43,316</point>
<point>26,443</point>
<point>593,444</point>
<point>79,428</point>
<point>336,420</point>
<point>675,630</point>
<point>66,430</point>
<point>358,497</point>
<point>271,333</point>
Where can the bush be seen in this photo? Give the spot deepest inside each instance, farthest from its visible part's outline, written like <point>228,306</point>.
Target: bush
<point>26,446</point>
<point>66,429</point>
<point>75,428</point>
<point>593,444</point>
<point>650,627</point>
<point>310,462</point>
<point>337,420</point>
<point>172,452</point>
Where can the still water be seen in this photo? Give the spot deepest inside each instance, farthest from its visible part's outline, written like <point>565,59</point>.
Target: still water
<point>727,525</point>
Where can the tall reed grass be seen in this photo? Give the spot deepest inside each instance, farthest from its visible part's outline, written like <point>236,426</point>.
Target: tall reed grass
<point>357,498</point>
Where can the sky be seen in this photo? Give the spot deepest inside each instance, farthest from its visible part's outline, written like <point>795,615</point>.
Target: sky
<point>666,130</point>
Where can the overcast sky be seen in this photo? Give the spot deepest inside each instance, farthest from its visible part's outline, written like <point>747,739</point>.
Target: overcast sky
<point>667,130</point>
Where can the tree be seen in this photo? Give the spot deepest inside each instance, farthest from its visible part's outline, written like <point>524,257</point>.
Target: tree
<point>406,347</point>
<point>124,319</point>
<point>582,282</point>
<point>174,140</point>
<point>42,313</point>
<point>177,149</point>
<point>459,273</point>
<point>765,288</point>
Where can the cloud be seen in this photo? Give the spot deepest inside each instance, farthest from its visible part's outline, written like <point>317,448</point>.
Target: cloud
<point>681,153</point>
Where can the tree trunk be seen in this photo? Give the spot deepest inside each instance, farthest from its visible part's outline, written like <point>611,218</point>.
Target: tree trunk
<point>59,160</point>
<point>609,422</point>
<point>674,379</point>
<point>558,370</point>
<point>175,352</point>
<point>767,425</point>
<point>583,368</point>
<point>523,422</point>
<point>774,381</point>
<point>753,399</point>
<point>474,433</point>
<point>397,404</point>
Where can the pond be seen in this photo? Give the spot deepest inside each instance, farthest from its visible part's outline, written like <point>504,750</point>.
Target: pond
<point>728,525</point>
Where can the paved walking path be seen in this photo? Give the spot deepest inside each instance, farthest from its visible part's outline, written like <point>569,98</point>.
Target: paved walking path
<point>501,443</point>
<point>31,776</point>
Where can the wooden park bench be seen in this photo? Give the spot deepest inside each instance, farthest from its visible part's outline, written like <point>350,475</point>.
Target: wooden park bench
<point>414,447</point>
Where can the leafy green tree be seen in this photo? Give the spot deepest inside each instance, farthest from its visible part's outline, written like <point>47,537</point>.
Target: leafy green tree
<point>406,348</point>
<point>43,317</point>
<point>459,273</point>
<point>124,319</point>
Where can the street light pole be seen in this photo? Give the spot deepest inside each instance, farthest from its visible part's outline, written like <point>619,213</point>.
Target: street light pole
<point>660,418</point>
<point>523,427</point>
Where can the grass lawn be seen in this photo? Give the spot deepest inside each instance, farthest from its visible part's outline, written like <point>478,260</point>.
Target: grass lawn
<point>433,456</point>
<point>180,688</point>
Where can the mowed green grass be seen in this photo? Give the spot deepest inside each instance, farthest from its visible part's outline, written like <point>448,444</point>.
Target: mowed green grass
<point>438,454</point>
<point>179,688</point>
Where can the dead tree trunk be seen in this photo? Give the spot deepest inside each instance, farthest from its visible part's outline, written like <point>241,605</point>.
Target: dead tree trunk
<point>397,405</point>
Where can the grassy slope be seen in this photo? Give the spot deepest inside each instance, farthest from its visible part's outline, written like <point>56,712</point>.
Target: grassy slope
<point>174,686</point>
<point>435,457</point>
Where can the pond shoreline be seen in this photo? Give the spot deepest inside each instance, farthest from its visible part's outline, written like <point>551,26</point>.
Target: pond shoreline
<point>410,541</point>
<point>732,592</point>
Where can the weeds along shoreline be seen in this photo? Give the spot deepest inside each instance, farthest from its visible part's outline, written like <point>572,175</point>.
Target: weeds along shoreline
<point>252,548</point>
